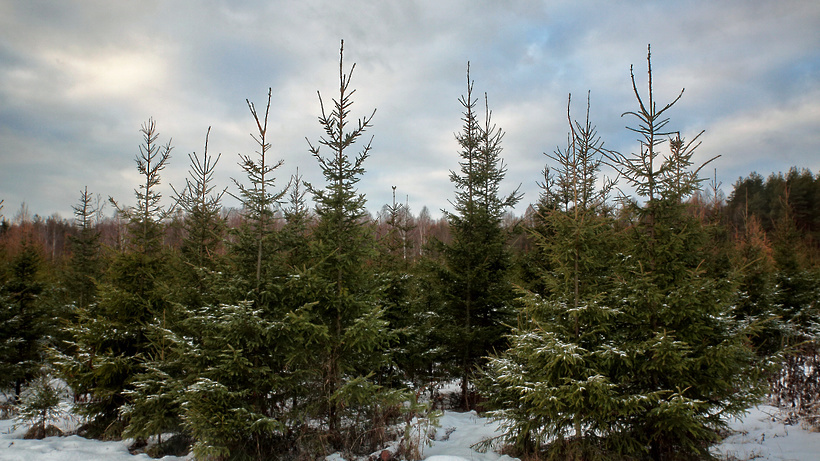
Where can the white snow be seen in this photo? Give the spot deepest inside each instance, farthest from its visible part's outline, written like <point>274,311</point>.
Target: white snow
<point>72,448</point>
<point>457,433</point>
<point>759,435</point>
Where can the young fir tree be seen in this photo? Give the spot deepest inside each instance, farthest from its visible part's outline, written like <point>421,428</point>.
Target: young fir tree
<point>24,319</point>
<point>293,239</point>
<point>114,338</point>
<point>203,225</point>
<point>346,307</point>
<point>156,393</point>
<point>685,365</point>
<point>239,356</point>
<point>233,357</point>
<point>476,265</point>
<point>553,388</point>
<point>258,201</point>
<point>85,269</point>
<point>243,381</point>
<point>393,267</point>
<point>203,231</point>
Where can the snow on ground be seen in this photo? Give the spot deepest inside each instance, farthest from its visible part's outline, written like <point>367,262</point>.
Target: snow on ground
<point>72,448</point>
<point>759,435</point>
<point>456,434</point>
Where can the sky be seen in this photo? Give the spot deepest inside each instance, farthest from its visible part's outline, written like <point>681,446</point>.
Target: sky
<point>78,79</point>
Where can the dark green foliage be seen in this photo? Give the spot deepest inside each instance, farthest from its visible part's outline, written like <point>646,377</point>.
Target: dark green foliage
<point>112,337</point>
<point>204,231</point>
<point>258,201</point>
<point>684,355</point>
<point>24,319</point>
<point>346,305</point>
<point>293,239</point>
<point>476,266</point>
<point>204,226</point>
<point>85,267</point>
<point>554,388</point>
<point>638,332</point>
<point>244,385</point>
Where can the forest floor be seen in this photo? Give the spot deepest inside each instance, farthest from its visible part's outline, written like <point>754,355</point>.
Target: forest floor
<point>759,435</point>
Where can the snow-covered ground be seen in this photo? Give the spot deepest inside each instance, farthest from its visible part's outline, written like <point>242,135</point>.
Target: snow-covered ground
<point>71,448</point>
<point>759,436</point>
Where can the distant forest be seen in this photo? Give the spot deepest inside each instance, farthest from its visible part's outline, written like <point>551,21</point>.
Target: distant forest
<point>597,326</point>
<point>765,202</point>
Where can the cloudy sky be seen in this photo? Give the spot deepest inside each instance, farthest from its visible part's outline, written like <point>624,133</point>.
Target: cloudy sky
<point>78,78</point>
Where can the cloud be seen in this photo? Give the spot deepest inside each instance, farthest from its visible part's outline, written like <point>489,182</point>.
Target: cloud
<point>78,78</point>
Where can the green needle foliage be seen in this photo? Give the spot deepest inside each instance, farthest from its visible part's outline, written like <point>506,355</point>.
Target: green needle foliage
<point>24,319</point>
<point>85,269</point>
<point>203,223</point>
<point>112,337</point>
<point>345,302</point>
<point>477,263</point>
<point>685,355</point>
<point>258,200</point>
<point>553,388</point>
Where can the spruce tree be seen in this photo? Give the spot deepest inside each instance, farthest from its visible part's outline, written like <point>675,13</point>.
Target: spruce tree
<point>24,319</point>
<point>204,230</point>
<point>233,364</point>
<point>553,388</point>
<point>293,240</point>
<point>85,269</point>
<point>203,225</point>
<point>114,337</point>
<point>346,306</point>
<point>258,199</point>
<point>685,364</point>
<point>476,265</point>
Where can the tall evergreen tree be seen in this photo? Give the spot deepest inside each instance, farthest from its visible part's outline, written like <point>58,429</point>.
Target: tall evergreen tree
<point>114,337</point>
<point>553,388</point>
<point>685,364</point>
<point>346,305</point>
<point>258,199</point>
<point>476,266</point>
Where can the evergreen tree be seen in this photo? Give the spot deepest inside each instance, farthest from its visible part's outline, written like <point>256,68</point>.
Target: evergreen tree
<point>754,269</point>
<point>234,363</point>
<point>245,381</point>
<point>553,388</point>
<point>346,306</point>
<point>204,230</point>
<point>203,225</point>
<point>293,239</point>
<point>24,320</point>
<point>685,364</point>
<point>114,338</point>
<point>476,267</point>
<point>393,271</point>
<point>258,199</point>
<point>85,268</point>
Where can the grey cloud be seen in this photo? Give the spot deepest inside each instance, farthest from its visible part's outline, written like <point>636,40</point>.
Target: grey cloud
<point>79,78</point>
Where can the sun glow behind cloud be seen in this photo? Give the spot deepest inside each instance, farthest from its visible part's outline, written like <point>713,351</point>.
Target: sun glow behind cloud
<point>78,78</point>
